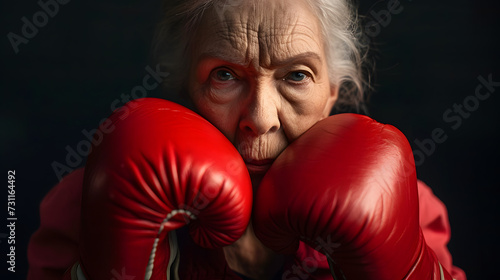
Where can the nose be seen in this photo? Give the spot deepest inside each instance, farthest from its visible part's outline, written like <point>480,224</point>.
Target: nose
<point>261,113</point>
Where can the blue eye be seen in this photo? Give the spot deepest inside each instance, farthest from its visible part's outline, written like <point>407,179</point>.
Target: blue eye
<point>297,76</point>
<point>224,75</point>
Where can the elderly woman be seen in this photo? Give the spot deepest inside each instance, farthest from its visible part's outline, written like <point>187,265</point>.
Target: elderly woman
<point>264,73</point>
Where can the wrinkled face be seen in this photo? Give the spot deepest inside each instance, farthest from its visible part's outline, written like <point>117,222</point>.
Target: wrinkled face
<point>259,74</point>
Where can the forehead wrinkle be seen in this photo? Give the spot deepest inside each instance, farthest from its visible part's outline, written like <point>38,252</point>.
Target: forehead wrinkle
<point>259,38</point>
<point>282,45</point>
<point>271,40</point>
<point>306,35</point>
<point>275,30</point>
<point>286,34</point>
<point>242,37</point>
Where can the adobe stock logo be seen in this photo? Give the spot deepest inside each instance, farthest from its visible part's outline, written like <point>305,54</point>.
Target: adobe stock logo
<point>454,116</point>
<point>75,155</point>
<point>30,28</point>
<point>379,19</point>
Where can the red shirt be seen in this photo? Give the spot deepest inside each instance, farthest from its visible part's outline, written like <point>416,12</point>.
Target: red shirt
<point>53,248</point>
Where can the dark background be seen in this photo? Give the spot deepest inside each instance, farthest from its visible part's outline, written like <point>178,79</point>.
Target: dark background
<point>429,58</point>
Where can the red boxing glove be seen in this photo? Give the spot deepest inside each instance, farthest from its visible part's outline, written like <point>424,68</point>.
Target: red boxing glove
<point>348,188</point>
<point>157,167</point>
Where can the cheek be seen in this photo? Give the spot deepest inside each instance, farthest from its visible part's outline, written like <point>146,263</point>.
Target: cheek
<point>222,116</point>
<point>298,117</point>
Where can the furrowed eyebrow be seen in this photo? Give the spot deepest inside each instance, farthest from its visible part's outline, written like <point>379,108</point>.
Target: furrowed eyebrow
<point>223,56</point>
<point>306,56</point>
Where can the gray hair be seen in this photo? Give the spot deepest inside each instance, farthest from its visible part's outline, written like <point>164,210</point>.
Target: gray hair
<point>345,44</point>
